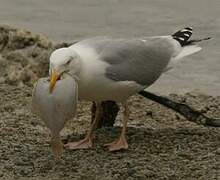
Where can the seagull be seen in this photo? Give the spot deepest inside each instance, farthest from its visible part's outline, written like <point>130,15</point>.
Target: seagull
<point>115,68</point>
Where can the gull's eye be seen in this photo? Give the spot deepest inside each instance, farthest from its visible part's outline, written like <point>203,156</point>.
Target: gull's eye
<point>68,62</point>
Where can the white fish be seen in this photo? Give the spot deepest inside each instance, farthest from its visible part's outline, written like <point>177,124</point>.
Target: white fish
<point>55,108</point>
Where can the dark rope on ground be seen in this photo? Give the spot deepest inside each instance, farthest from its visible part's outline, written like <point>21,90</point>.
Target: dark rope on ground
<point>185,110</point>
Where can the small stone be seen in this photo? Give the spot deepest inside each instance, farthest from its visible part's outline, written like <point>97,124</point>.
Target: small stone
<point>149,113</point>
<point>218,151</point>
<point>2,79</point>
<point>24,172</point>
<point>8,167</point>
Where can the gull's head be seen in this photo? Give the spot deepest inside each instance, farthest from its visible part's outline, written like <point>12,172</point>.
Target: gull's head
<point>63,60</point>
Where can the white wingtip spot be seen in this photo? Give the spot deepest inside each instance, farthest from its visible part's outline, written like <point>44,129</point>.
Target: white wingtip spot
<point>186,34</point>
<point>186,30</point>
<point>182,39</point>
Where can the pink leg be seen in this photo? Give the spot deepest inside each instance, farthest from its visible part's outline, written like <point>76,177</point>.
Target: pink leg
<point>87,142</point>
<point>121,142</point>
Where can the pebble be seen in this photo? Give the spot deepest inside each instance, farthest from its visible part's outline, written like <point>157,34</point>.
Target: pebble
<point>2,79</point>
<point>218,151</point>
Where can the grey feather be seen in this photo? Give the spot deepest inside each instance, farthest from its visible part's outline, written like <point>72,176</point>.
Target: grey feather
<point>134,59</point>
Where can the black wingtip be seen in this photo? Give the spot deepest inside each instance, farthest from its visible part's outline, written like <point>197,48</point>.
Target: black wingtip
<point>189,28</point>
<point>183,35</point>
<point>194,41</point>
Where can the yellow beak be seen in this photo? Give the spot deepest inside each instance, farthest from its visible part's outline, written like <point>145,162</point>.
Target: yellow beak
<point>53,80</point>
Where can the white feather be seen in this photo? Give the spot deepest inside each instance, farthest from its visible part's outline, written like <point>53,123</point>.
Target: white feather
<point>186,51</point>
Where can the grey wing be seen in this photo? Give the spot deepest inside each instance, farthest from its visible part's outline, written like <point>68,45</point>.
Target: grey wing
<point>142,61</point>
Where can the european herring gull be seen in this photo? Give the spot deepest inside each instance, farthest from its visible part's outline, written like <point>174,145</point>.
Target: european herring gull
<point>114,69</point>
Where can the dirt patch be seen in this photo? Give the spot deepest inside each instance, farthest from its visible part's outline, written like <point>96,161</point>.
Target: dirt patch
<point>24,56</point>
<point>162,144</point>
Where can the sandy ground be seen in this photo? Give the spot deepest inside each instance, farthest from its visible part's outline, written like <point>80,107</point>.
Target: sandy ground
<point>77,19</point>
<point>163,145</point>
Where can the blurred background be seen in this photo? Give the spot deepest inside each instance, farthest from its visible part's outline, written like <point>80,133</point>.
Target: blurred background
<point>72,20</point>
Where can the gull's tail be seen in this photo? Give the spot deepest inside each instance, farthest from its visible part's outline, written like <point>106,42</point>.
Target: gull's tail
<point>184,35</point>
<point>188,46</point>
